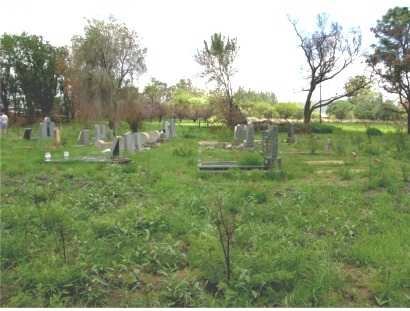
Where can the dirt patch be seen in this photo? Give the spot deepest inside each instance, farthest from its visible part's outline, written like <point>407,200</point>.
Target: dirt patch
<point>358,293</point>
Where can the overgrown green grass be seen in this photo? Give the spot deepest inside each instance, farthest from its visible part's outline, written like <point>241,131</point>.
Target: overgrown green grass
<point>140,235</point>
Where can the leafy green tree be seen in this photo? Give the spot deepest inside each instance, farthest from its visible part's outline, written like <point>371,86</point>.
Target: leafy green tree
<point>328,52</point>
<point>106,58</point>
<point>366,104</point>
<point>28,73</point>
<point>391,56</point>
<point>341,109</point>
<point>158,94</point>
<point>288,110</point>
<point>217,58</point>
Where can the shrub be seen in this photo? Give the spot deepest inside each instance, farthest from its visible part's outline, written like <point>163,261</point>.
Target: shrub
<point>372,131</point>
<point>319,128</point>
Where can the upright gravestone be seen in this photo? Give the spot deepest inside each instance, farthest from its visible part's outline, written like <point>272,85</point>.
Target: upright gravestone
<point>167,130</point>
<point>250,136</point>
<point>27,133</point>
<point>97,132</point>
<point>103,131</point>
<point>291,133</point>
<point>47,129</point>
<point>173,128</point>
<point>138,139</point>
<point>129,141</point>
<point>270,146</point>
<point>239,133</point>
<point>84,137</point>
<point>115,149</point>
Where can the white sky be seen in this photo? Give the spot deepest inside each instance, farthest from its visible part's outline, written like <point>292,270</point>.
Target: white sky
<point>172,31</point>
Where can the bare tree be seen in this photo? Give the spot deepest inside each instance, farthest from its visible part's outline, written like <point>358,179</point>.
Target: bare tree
<point>225,223</point>
<point>328,52</point>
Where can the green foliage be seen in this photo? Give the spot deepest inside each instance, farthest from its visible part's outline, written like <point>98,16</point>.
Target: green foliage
<point>341,109</point>
<point>390,59</point>
<point>28,73</point>
<point>289,110</point>
<point>321,128</point>
<point>145,234</point>
<point>373,131</point>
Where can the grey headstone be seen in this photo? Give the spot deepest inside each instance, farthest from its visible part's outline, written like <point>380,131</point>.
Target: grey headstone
<point>47,129</point>
<point>291,133</point>
<point>167,129</point>
<point>173,128</point>
<point>250,136</point>
<point>138,139</point>
<point>97,132</point>
<point>129,142</point>
<point>239,133</point>
<point>270,145</point>
<point>84,137</point>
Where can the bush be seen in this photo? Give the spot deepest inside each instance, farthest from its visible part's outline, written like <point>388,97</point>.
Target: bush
<point>372,131</point>
<point>319,128</point>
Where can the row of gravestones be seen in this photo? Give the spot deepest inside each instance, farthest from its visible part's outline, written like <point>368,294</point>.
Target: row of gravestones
<point>46,130</point>
<point>244,134</point>
<point>102,132</point>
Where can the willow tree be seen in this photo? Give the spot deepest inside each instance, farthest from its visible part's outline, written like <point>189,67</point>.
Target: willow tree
<point>107,58</point>
<point>391,56</point>
<point>328,52</point>
<point>217,59</point>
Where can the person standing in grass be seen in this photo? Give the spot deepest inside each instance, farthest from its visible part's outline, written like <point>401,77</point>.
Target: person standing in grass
<point>4,120</point>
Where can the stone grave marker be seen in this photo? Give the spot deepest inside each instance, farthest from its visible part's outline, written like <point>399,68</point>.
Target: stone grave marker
<point>270,146</point>
<point>27,133</point>
<point>291,134</point>
<point>84,137</point>
<point>250,136</point>
<point>129,141</point>
<point>173,128</point>
<point>239,133</point>
<point>138,139</point>
<point>47,129</point>
<point>115,149</point>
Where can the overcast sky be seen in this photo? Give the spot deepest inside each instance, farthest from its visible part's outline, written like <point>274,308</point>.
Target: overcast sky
<point>172,31</point>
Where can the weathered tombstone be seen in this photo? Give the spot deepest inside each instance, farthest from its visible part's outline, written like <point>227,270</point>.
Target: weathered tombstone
<point>97,132</point>
<point>27,133</point>
<point>167,129</point>
<point>43,130</point>
<point>84,137</point>
<point>144,138</point>
<point>270,146</point>
<point>173,128</point>
<point>239,133</point>
<point>115,149</point>
<point>103,131</point>
<point>129,142</point>
<point>138,138</point>
<point>250,136</point>
<point>291,133</point>
<point>47,129</point>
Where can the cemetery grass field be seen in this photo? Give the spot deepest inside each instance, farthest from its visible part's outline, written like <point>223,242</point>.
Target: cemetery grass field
<point>141,235</point>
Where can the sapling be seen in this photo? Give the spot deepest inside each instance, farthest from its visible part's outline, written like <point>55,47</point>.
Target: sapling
<point>225,223</point>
